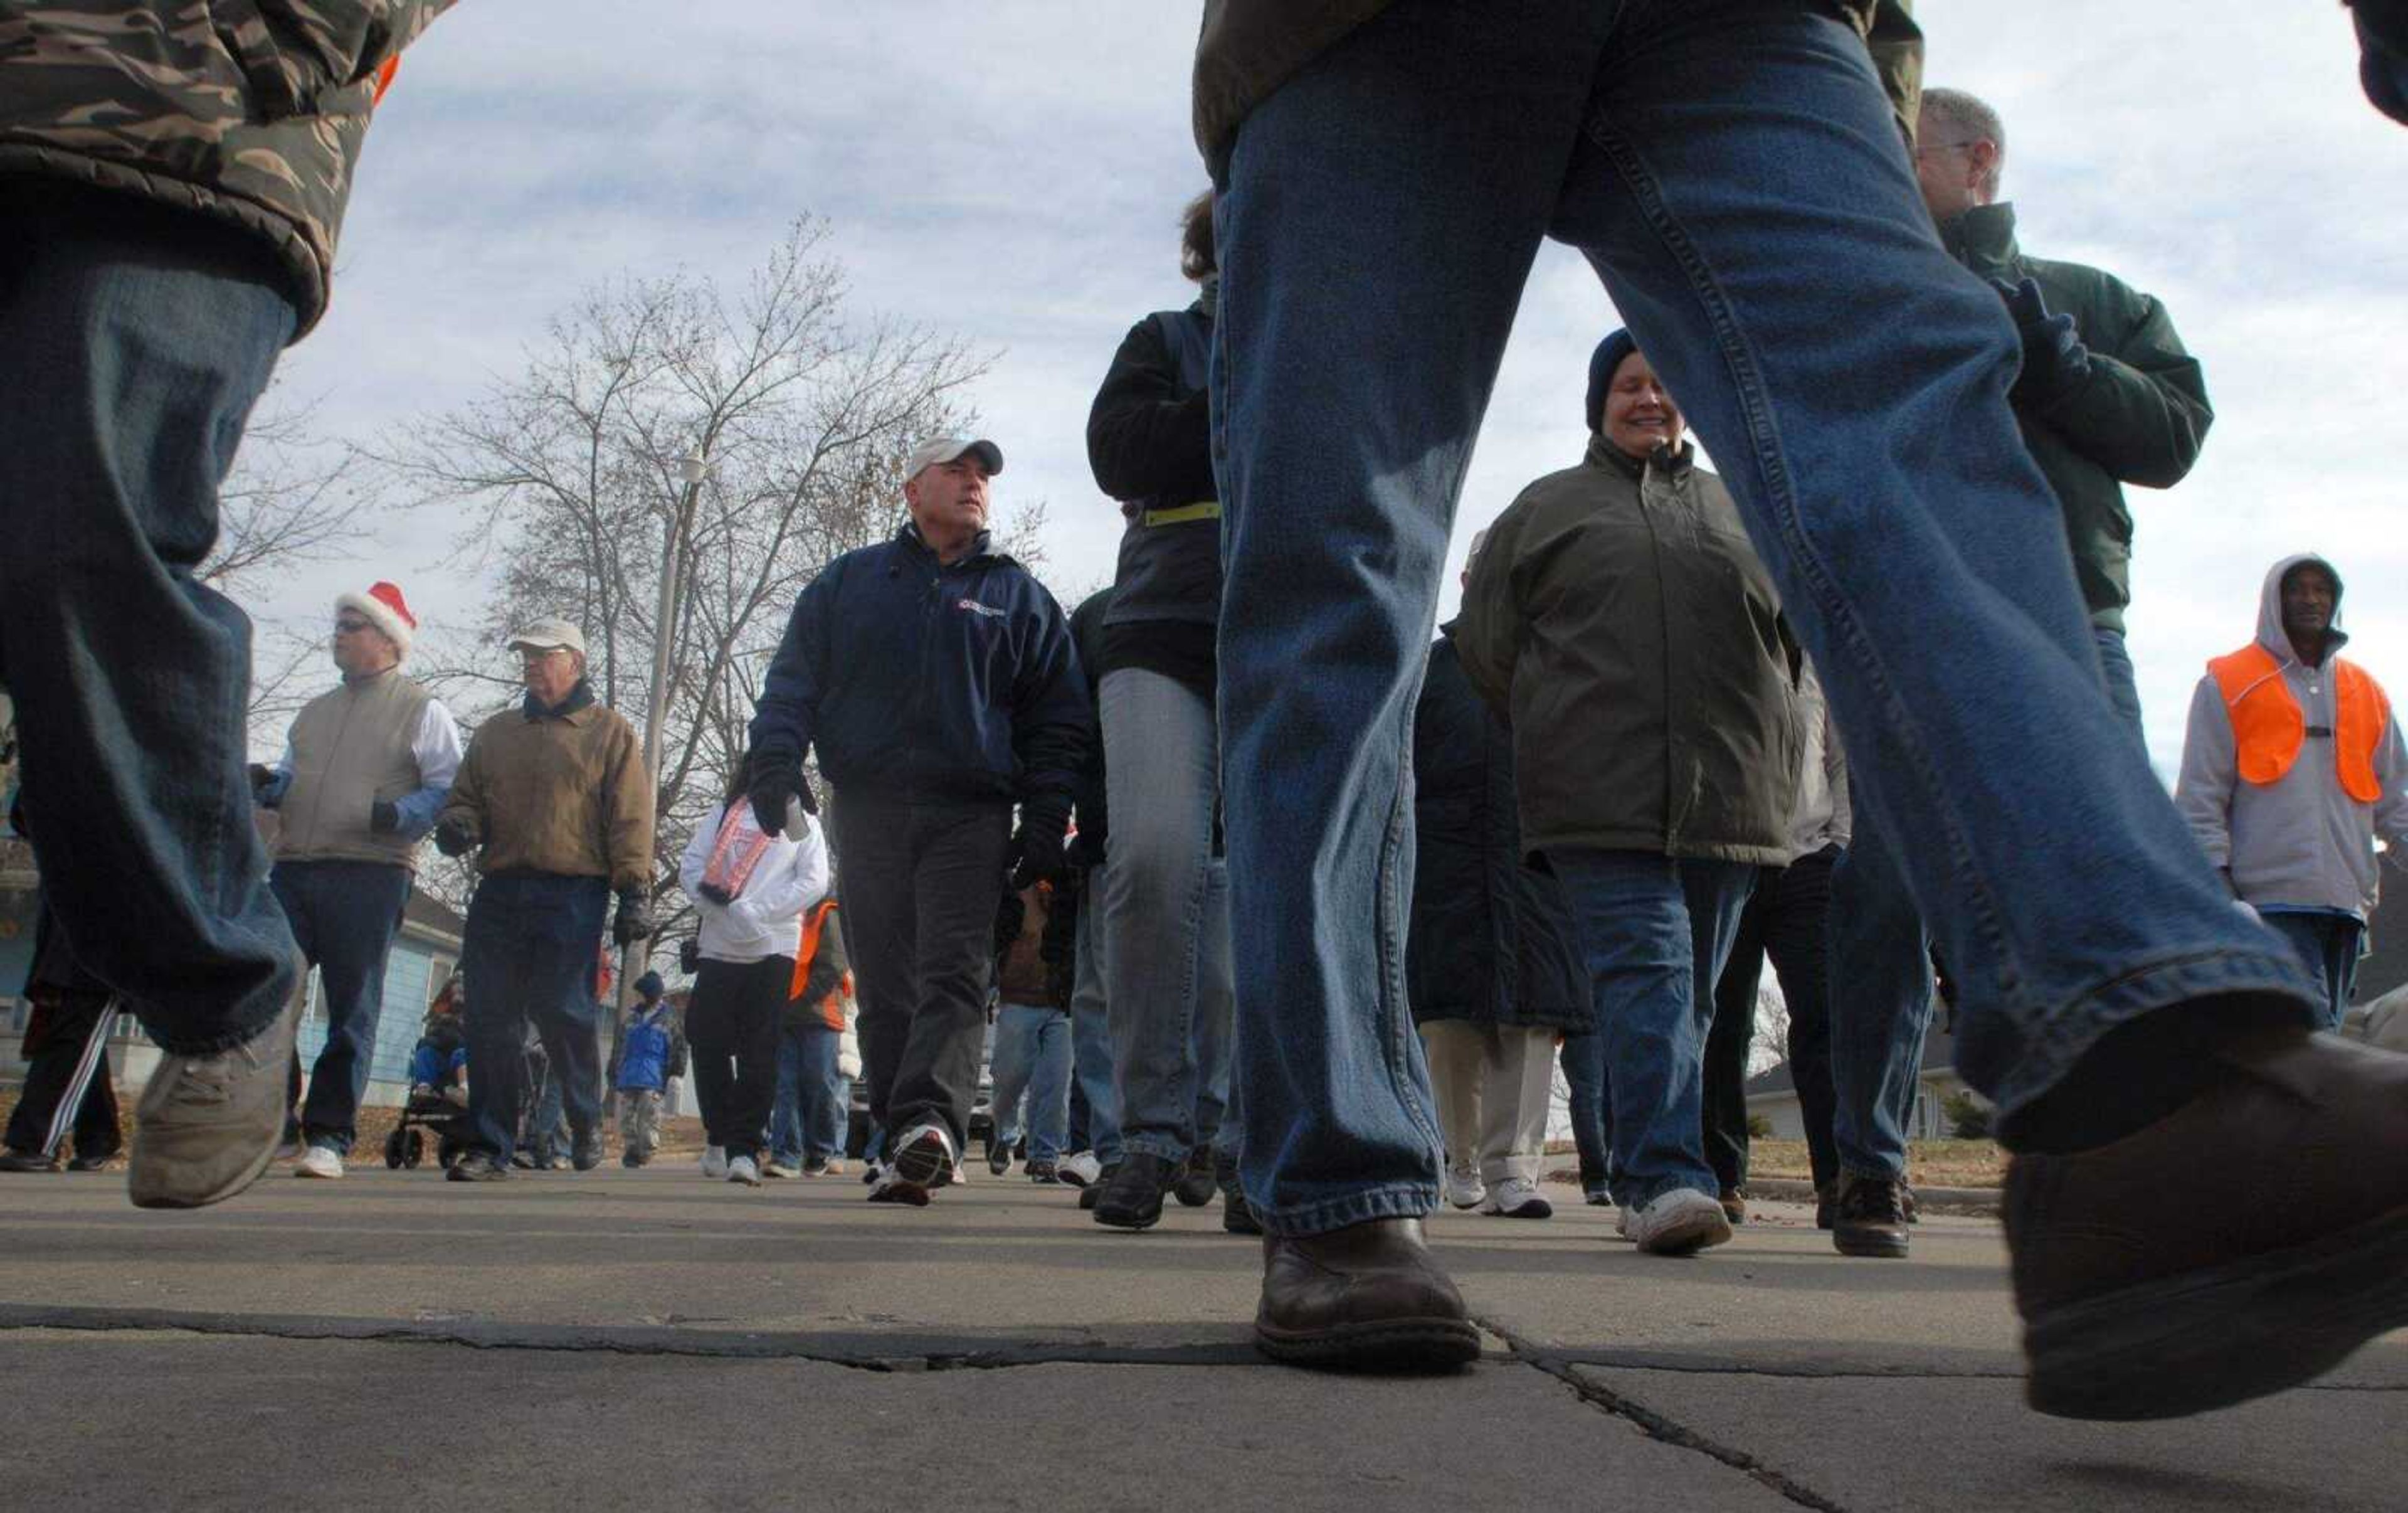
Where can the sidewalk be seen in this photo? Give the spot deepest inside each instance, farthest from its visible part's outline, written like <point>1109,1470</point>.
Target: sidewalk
<point>620,1339</point>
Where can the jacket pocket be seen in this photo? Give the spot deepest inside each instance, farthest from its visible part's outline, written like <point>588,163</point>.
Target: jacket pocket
<point>292,52</point>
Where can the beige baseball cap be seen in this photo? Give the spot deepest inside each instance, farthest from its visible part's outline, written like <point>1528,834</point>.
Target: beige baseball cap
<point>543,635</point>
<point>946,448</point>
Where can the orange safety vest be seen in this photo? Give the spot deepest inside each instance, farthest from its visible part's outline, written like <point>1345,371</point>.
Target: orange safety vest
<point>810,950</point>
<point>2268,727</point>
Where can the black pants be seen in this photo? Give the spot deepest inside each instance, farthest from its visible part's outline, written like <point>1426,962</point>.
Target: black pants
<point>66,1049</point>
<point>920,883</point>
<point>731,1030</point>
<point>1784,921</point>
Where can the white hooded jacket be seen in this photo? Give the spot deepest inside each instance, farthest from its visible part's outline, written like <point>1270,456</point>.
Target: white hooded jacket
<point>767,918</point>
<point>2300,843</point>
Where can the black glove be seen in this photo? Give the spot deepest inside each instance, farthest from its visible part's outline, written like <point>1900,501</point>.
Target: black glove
<point>716,894</point>
<point>690,955</point>
<point>263,777</point>
<point>453,836</point>
<point>635,918</point>
<point>773,783</point>
<point>2053,355</point>
<point>384,818</point>
<point>1037,850</point>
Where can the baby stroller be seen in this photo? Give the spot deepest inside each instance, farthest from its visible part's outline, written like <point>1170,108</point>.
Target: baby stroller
<point>438,1099</point>
<point>421,1113</point>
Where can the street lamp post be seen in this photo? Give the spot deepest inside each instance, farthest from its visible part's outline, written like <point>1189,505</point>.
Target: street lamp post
<point>692,469</point>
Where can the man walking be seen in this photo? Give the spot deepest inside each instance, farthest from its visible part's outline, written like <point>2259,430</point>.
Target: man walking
<point>937,682</point>
<point>1732,170</point>
<point>365,769</point>
<point>554,799</point>
<point>2290,764</point>
<point>171,185</point>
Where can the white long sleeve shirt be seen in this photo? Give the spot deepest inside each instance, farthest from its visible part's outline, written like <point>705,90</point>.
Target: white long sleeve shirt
<point>767,918</point>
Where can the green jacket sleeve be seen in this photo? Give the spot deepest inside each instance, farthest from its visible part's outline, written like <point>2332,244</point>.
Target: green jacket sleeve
<point>2143,413</point>
<point>1488,633</point>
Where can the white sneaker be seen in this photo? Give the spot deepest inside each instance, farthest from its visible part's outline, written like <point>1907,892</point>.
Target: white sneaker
<point>1464,1189</point>
<point>321,1162</point>
<point>1623,1215</point>
<point>1079,1170</point>
<point>1680,1222</point>
<point>925,1159</point>
<point>715,1162</point>
<point>743,1169</point>
<point>1598,1198</point>
<point>1517,1197</point>
<point>779,1169</point>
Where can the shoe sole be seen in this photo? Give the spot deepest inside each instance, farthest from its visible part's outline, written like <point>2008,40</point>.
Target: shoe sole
<point>1698,1231</point>
<point>1124,1218</point>
<point>2213,1338</point>
<point>907,1193</point>
<point>1540,1209</point>
<point>924,1164</point>
<point>1396,1346</point>
<point>1875,1244</point>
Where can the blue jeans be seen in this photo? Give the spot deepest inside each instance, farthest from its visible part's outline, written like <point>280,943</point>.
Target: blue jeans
<point>1733,172</point>
<point>528,951</point>
<point>2123,687</point>
<point>1655,932</point>
<point>2328,944</point>
<point>1032,1058</point>
<point>1588,1102</point>
<point>134,339</point>
<point>1166,901</point>
<point>806,1123</point>
<point>343,915</point>
<point>1091,1031</point>
<point>1881,998</point>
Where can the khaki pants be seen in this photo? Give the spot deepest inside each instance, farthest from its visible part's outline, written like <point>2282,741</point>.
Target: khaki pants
<point>639,1120</point>
<point>1493,1083</point>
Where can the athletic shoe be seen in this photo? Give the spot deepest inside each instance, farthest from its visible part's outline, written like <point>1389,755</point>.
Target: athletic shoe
<point>1517,1197</point>
<point>871,1171</point>
<point>1464,1189</point>
<point>1043,1172</point>
<point>478,1166</point>
<point>1598,1197</point>
<point>586,1153</point>
<point>319,1161</point>
<point>744,1171</point>
<point>822,1166</point>
<point>1679,1223</point>
<point>925,1159</point>
<point>776,1168</point>
<point>890,1188</point>
<point>715,1162</point>
<point>1869,1217</point>
<point>999,1159</point>
<point>28,1161</point>
<point>1734,1207</point>
<point>207,1125</point>
<point>1081,1170</point>
<point>91,1164</point>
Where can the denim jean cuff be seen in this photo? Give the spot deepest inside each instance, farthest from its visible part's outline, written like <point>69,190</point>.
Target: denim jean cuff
<point>1872,1172</point>
<point>337,1141</point>
<point>1639,1197</point>
<point>1169,1147</point>
<point>1392,1199</point>
<point>240,1032</point>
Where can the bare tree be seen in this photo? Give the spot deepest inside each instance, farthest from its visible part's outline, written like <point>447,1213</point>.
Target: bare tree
<point>570,474</point>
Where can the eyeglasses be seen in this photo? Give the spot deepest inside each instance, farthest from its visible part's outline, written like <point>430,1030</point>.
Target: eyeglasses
<point>1922,148</point>
<point>351,627</point>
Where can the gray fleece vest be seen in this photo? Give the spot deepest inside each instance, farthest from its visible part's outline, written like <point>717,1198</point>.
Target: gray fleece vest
<point>351,747</point>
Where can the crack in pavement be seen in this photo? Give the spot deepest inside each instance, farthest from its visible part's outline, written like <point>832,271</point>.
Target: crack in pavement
<point>859,1352</point>
<point>1653,1424</point>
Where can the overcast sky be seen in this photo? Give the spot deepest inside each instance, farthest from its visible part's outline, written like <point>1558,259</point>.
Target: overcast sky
<point>1013,173</point>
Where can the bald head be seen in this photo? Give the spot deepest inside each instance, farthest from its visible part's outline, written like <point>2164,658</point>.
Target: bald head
<point>1960,152</point>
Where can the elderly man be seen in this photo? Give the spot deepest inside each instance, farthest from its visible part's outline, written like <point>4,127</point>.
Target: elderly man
<point>2199,1179</point>
<point>556,800</point>
<point>938,683</point>
<point>2291,763</point>
<point>171,185</point>
<point>365,770</point>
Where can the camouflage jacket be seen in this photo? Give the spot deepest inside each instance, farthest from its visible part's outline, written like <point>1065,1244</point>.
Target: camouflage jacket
<point>250,110</point>
<point>1249,47</point>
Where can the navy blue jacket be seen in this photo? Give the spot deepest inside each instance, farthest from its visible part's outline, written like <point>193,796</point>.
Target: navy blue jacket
<point>923,681</point>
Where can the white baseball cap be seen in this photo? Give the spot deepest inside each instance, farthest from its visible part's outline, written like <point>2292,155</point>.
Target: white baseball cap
<point>930,453</point>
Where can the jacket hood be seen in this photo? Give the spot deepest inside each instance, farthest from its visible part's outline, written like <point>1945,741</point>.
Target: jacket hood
<point>2271,634</point>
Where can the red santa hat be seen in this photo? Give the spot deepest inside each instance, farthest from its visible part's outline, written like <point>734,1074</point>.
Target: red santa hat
<point>383,607</point>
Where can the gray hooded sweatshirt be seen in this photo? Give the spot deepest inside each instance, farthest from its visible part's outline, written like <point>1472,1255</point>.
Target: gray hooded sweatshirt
<point>2300,843</point>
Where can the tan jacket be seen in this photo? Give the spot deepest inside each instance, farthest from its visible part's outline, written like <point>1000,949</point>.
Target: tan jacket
<point>350,747</point>
<point>560,793</point>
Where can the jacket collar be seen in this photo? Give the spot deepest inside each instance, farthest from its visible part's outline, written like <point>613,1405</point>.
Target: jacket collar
<point>981,548</point>
<point>572,709</point>
<point>1604,454</point>
<point>1983,237</point>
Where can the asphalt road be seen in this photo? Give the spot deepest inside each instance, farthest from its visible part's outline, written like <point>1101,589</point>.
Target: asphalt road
<point>651,1339</point>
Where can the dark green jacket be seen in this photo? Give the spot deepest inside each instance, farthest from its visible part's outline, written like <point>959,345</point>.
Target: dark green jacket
<point>1249,47</point>
<point>1619,620</point>
<point>252,111</point>
<point>2140,417</point>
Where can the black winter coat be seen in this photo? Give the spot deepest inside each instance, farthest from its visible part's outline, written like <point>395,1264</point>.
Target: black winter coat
<point>1491,940</point>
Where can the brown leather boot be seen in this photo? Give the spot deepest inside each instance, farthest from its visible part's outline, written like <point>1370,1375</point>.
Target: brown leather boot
<point>1368,1297</point>
<point>2244,1244</point>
